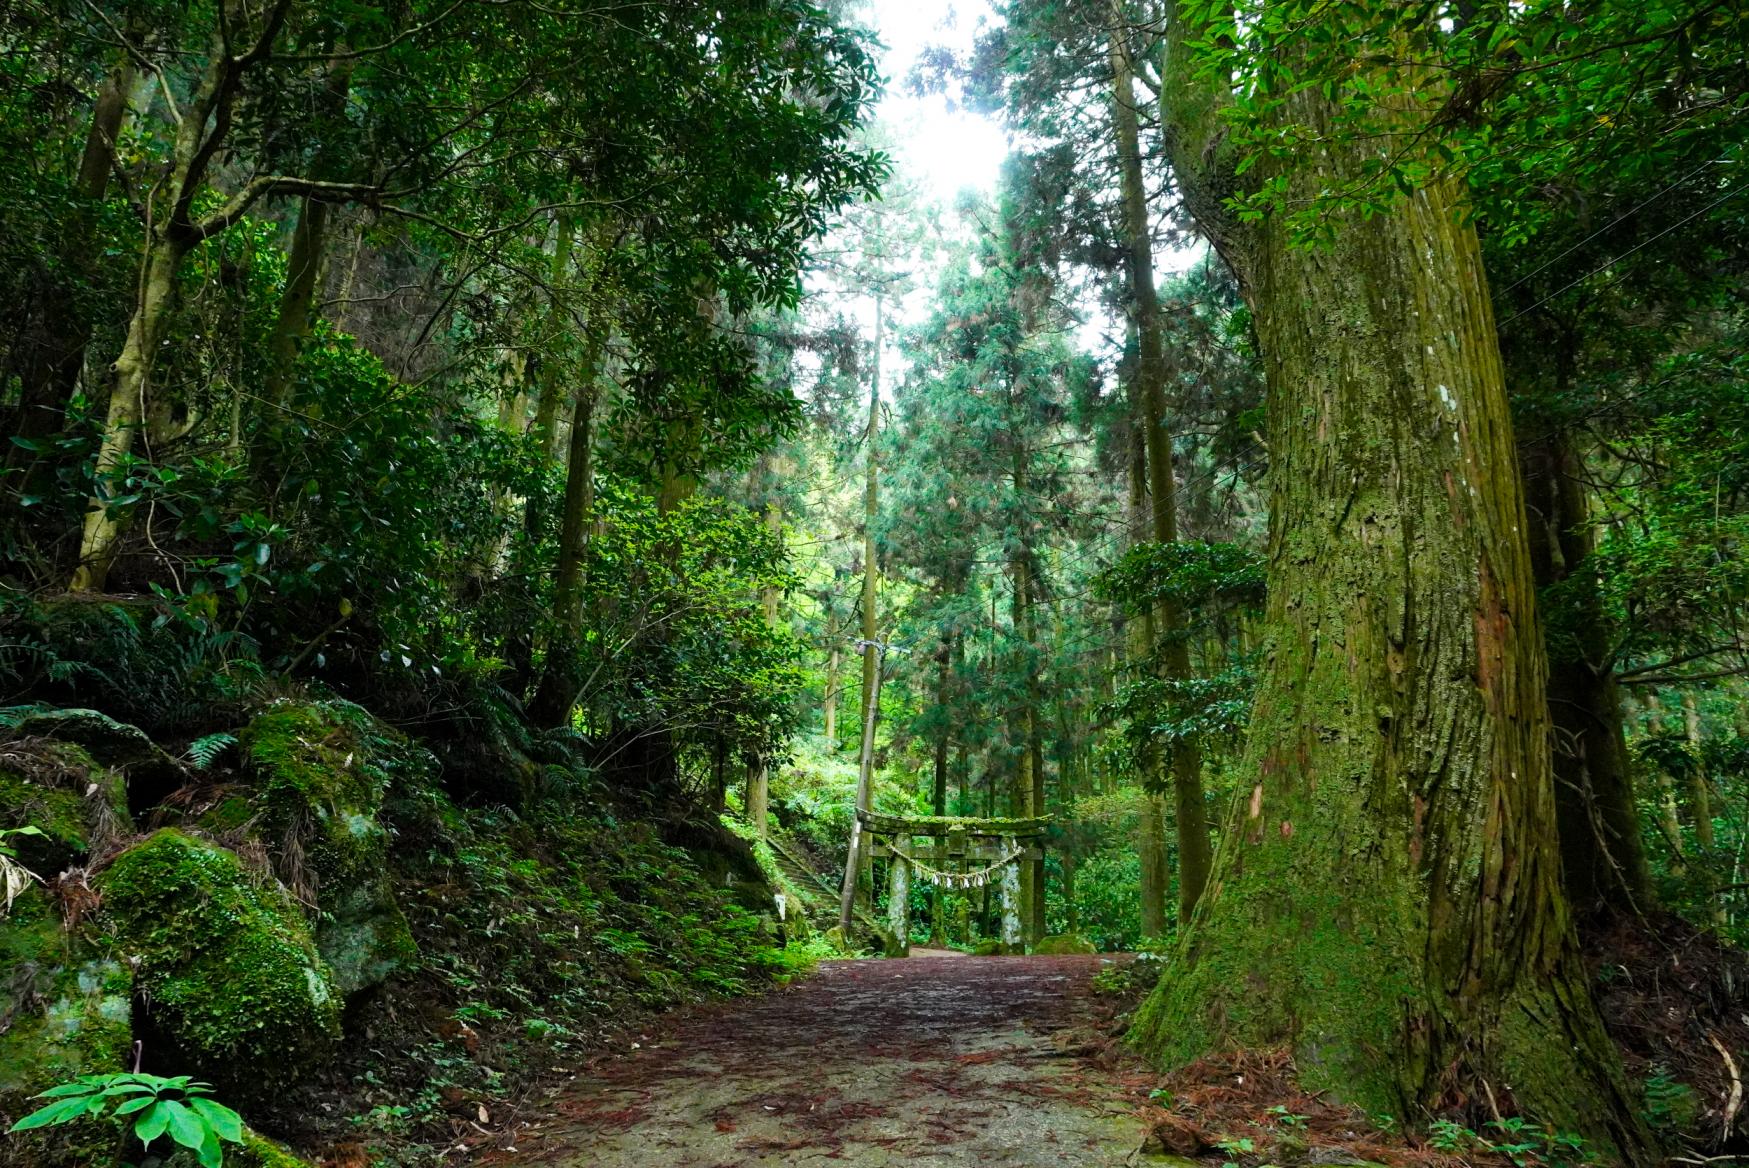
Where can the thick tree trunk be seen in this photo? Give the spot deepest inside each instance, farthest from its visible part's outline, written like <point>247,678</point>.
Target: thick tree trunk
<point>1601,854</point>
<point>1387,897</point>
<point>1191,812</point>
<point>1029,779</point>
<point>758,794</point>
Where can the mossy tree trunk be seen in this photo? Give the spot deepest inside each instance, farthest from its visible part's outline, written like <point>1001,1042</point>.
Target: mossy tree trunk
<point>558,690</point>
<point>1601,854</point>
<point>1386,898</point>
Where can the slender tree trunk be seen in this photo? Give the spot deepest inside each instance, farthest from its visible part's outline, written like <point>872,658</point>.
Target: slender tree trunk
<point>1189,805</point>
<point>834,664</point>
<point>1387,897</point>
<point>49,361</point>
<point>1599,826</point>
<point>1028,782</point>
<point>550,376</point>
<point>1669,816</point>
<point>304,263</point>
<point>1700,786</point>
<point>557,692</point>
<point>871,499</point>
<point>758,771</point>
<point>292,325</point>
<point>130,378</point>
<point>1139,646</point>
<point>205,122</point>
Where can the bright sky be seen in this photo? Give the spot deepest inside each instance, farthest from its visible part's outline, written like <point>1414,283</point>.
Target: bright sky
<point>939,149</point>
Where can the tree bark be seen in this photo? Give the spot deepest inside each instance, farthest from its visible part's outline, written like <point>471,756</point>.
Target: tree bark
<point>871,500</point>
<point>1189,805</point>
<point>130,379</point>
<point>1387,897</point>
<point>758,794</point>
<point>1602,858</point>
<point>557,693</point>
<point>1029,777</point>
<point>834,661</point>
<point>48,363</point>
<point>1138,647</point>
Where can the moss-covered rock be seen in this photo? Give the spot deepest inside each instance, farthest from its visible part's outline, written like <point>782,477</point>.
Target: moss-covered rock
<point>324,770</point>
<point>1060,944</point>
<point>58,788</point>
<point>256,1151</point>
<point>64,1003</point>
<point>113,744</point>
<point>228,969</point>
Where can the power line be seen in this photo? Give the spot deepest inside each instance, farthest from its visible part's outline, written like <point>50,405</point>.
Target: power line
<point>1740,188</point>
<point>1624,215</point>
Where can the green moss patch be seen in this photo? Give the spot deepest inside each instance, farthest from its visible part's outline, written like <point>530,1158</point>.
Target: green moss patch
<point>228,968</point>
<point>66,1004</point>
<point>58,788</point>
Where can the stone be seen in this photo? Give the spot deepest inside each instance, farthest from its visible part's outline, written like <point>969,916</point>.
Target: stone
<point>224,962</point>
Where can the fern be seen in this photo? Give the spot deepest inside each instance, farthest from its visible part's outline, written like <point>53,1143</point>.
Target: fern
<point>11,716</point>
<point>203,752</point>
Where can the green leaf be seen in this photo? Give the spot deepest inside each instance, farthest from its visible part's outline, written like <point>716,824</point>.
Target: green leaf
<point>227,1123</point>
<point>66,1089</point>
<point>129,1106</point>
<point>151,1125</point>
<point>209,1153</point>
<point>62,1111</point>
<point>186,1128</point>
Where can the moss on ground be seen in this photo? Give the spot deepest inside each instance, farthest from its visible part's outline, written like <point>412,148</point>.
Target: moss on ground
<point>228,967</point>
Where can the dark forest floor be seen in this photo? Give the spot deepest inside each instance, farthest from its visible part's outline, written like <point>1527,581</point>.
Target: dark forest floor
<point>940,1061</point>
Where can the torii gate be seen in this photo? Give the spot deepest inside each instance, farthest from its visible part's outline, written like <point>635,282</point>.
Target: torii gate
<point>960,853</point>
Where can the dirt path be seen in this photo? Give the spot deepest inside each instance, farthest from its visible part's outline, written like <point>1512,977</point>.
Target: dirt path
<point>932,1061</point>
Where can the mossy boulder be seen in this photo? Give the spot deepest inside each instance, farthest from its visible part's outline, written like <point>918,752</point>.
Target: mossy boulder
<point>227,969</point>
<point>324,770</point>
<point>62,791</point>
<point>256,1151</point>
<point>65,1004</point>
<point>113,744</point>
<point>1061,944</point>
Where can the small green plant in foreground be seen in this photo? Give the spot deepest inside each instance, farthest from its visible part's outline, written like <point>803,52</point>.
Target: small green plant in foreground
<point>152,1106</point>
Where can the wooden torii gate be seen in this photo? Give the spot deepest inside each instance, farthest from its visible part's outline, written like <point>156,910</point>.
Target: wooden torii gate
<point>959,854</point>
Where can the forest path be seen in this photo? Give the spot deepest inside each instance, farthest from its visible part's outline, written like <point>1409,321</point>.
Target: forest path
<point>932,1061</point>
